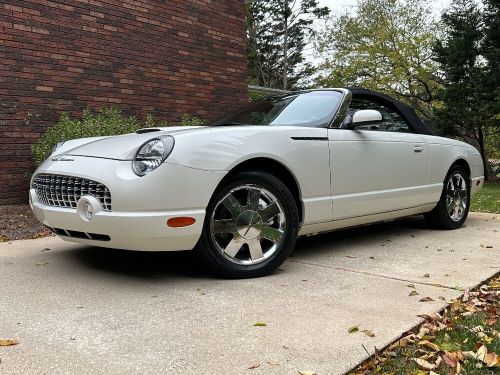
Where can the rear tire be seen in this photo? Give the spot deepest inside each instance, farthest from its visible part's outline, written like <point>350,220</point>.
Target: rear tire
<point>453,207</point>
<point>250,227</point>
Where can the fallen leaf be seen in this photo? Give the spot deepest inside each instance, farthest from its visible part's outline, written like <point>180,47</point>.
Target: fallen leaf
<point>307,372</point>
<point>403,342</point>
<point>254,366</point>
<point>410,285</point>
<point>260,324</point>
<point>372,258</point>
<point>41,263</point>
<point>426,299</point>
<point>429,345</point>
<point>481,353</point>
<point>350,256</point>
<point>413,293</point>
<point>427,365</point>
<point>368,333</point>
<point>486,246</point>
<point>491,360</point>
<point>272,363</point>
<point>442,298</point>
<point>450,359</point>
<point>8,342</point>
<point>353,329</point>
<point>466,295</point>
<point>425,275</point>
<point>46,249</point>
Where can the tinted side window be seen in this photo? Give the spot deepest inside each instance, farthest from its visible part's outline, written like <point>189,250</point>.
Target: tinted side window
<point>392,121</point>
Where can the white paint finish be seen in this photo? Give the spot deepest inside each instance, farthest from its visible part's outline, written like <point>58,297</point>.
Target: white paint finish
<point>366,115</point>
<point>374,171</point>
<point>223,148</point>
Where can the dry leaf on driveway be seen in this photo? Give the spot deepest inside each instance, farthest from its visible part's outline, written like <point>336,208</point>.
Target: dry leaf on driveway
<point>426,275</point>
<point>41,263</point>
<point>426,299</point>
<point>413,293</point>
<point>353,329</point>
<point>483,245</point>
<point>368,333</point>
<point>260,324</point>
<point>8,342</point>
<point>254,366</point>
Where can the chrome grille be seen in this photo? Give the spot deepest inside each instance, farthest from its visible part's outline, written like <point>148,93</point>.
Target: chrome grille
<point>65,191</point>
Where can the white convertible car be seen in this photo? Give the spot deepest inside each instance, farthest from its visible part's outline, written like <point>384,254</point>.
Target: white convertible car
<point>240,191</point>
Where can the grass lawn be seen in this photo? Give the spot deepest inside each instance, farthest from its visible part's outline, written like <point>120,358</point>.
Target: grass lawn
<point>488,199</point>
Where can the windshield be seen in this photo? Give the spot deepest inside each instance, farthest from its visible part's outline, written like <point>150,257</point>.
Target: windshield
<point>311,109</point>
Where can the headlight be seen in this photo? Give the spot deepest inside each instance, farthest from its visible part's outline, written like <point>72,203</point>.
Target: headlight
<point>56,146</point>
<point>151,154</point>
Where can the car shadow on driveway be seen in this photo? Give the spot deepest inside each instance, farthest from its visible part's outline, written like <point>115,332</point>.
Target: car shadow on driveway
<point>184,264</point>
<point>140,264</point>
<point>373,233</point>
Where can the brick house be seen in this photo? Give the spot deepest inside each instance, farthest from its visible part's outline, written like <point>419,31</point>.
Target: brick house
<point>164,57</point>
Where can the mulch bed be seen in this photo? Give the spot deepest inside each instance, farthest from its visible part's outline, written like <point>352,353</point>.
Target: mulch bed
<point>17,223</point>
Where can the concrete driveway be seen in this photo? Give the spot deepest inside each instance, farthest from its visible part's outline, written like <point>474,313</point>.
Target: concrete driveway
<point>81,310</point>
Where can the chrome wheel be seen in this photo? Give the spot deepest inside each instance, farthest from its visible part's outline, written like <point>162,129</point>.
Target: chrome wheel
<point>456,197</point>
<point>247,225</point>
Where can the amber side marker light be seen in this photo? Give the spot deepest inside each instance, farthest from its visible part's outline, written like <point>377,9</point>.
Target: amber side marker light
<point>178,222</point>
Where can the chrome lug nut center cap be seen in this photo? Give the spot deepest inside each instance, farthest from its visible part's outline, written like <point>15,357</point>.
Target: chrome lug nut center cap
<point>245,224</point>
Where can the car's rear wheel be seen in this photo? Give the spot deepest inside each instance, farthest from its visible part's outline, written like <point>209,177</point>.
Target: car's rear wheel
<point>453,207</point>
<point>250,228</point>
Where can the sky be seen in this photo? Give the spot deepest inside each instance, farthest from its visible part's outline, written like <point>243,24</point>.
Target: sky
<point>439,5</point>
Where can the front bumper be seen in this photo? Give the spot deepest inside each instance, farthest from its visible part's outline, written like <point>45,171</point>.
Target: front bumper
<point>141,206</point>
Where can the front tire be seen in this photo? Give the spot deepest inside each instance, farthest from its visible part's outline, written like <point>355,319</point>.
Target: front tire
<point>453,207</point>
<point>250,227</point>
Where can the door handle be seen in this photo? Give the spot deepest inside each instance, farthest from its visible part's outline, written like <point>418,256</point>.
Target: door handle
<point>418,148</point>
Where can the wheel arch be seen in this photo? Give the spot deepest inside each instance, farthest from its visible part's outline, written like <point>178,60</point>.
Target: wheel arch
<point>462,163</point>
<point>277,169</point>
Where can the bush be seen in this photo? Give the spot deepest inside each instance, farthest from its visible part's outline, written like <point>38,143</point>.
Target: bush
<point>107,121</point>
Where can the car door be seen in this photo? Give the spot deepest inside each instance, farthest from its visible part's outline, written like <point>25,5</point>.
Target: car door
<point>377,168</point>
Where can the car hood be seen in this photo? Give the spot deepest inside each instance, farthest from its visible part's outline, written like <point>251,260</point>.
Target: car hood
<point>120,147</point>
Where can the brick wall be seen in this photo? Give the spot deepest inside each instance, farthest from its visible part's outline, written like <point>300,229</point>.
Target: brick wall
<point>164,57</point>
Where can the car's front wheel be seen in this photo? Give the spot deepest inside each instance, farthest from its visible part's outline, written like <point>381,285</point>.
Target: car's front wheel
<point>453,207</point>
<point>251,226</point>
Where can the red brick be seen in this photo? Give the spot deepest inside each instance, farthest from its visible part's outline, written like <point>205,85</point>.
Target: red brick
<point>164,58</point>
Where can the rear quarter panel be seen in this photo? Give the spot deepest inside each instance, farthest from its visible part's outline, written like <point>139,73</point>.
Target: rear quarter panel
<point>444,152</point>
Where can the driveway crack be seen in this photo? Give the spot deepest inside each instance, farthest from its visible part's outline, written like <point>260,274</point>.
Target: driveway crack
<point>374,274</point>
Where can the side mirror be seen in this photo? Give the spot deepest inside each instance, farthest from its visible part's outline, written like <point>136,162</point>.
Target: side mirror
<point>365,117</point>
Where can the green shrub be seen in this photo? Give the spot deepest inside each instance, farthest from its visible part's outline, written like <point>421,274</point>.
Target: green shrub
<point>106,121</point>
<point>188,120</point>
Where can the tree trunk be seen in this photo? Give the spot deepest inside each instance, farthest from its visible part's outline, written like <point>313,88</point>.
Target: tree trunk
<point>285,48</point>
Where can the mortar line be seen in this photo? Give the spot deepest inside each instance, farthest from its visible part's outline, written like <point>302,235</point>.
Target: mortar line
<point>375,275</point>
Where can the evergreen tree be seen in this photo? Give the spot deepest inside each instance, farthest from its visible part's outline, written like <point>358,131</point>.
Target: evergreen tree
<point>277,34</point>
<point>491,80</point>
<point>462,109</point>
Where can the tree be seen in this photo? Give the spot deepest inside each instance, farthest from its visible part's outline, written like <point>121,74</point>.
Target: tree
<point>491,81</point>
<point>386,45</point>
<point>277,33</point>
<point>466,100</point>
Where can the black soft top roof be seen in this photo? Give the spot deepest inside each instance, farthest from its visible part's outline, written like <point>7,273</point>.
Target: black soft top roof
<point>406,111</point>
